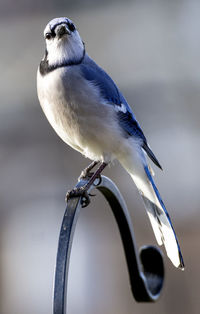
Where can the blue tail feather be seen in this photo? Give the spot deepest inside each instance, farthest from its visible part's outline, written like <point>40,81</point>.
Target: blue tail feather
<point>165,226</point>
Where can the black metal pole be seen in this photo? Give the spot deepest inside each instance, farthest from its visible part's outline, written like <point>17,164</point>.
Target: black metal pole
<point>146,270</point>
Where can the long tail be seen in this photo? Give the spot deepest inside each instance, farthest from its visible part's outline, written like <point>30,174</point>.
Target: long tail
<point>158,215</point>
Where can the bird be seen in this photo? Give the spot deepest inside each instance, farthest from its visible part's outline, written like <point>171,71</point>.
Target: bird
<point>89,113</point>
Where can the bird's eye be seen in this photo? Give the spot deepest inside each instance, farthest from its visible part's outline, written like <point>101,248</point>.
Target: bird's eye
<point>48,36</point>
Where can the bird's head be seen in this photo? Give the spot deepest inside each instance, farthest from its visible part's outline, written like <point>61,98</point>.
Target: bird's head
<point>63,42</point>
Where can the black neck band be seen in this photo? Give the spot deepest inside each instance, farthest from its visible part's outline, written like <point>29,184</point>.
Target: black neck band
<point>45,68</point>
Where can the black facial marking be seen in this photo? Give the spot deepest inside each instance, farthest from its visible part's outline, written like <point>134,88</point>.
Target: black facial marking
<point>70,26</point>
<point>53,33</point>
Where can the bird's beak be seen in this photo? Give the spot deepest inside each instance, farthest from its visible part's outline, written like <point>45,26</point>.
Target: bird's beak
<point>62,30</point>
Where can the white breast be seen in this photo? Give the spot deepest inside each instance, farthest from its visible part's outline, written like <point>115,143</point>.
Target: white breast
<point>51,93</point>
<point>74,108</point>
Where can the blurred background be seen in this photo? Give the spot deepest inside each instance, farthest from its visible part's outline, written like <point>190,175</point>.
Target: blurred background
<point>151,49</point>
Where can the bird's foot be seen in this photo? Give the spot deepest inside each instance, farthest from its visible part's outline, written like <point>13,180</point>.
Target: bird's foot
<point>85,197</point>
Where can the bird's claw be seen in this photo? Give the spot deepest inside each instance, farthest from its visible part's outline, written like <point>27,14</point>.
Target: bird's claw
<point>87,174</point>
<point>85,197</point>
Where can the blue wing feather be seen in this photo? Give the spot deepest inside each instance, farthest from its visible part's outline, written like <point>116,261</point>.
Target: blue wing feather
<point>111,94</point>
<point>93,73</point>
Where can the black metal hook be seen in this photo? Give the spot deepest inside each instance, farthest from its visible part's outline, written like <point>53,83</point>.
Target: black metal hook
<point>146,270</point>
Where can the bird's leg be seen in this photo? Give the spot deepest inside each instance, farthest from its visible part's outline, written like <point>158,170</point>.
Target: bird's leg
<point>95,175</point>
<point>86,172</point>
<point>82,191</point>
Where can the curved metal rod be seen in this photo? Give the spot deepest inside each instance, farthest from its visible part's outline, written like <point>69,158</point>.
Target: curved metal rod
<point>146,270</point>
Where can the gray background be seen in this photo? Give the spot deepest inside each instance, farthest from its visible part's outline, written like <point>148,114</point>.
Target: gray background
<point>151,49</point>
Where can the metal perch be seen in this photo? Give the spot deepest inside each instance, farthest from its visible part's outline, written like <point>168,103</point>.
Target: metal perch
<point>146,270</point>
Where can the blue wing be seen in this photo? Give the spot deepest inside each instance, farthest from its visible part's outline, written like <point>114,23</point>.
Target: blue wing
<point>92,72</point>
<point>110,92</point>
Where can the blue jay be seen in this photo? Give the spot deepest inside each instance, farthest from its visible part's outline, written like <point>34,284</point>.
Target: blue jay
<point>88,111</point>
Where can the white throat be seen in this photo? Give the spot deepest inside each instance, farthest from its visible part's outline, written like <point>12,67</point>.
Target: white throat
<point>66,50</point>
